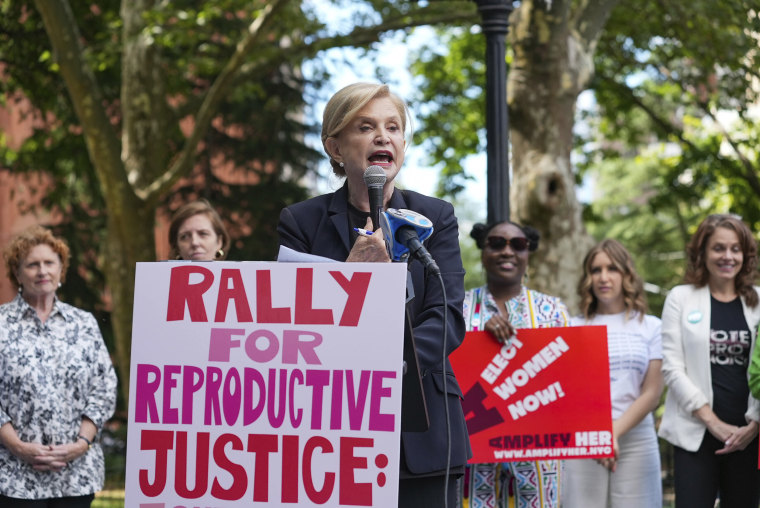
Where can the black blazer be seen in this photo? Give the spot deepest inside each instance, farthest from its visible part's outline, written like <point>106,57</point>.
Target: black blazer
<point>320,226</point>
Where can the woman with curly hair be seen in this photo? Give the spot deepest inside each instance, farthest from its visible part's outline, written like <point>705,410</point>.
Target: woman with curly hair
<point>57,384</point>
<point>708,333</point>
<point>612,295</point>
<point>502,307</point>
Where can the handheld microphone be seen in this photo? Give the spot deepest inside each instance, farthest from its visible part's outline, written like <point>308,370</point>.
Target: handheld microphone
<point>374,179</point>
<point>404,232</point>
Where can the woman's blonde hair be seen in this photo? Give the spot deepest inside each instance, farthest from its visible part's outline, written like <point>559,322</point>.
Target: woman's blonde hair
<point>634,298</point>
<point>343,107</point>
<point>22,244</point>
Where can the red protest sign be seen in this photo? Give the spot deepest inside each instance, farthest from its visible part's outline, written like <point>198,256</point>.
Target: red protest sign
<point>546,395</point>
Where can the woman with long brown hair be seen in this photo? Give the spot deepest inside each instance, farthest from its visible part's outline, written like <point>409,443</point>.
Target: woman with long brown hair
<point>612,295</point>
<point>708,332</point>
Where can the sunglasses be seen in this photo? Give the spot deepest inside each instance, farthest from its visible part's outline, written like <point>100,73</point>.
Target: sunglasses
<point>518,244</point>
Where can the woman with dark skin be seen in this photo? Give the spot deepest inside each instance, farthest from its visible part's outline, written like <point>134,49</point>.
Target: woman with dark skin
<point>502,307</point>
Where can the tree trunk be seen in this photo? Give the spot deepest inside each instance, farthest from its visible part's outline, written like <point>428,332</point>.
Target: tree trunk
<point>130,240</point>
<point>134,162</point>
<point>551,66</point>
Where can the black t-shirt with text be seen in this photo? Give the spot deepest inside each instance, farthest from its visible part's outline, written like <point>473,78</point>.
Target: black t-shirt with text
<point>730,340</point>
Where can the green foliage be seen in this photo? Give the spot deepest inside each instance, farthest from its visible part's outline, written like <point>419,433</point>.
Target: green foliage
<point>652,232</point>
<point>259,128</point>
<point>451,103</point>
<point>469,213</point>
<point>656,144</point>
<point>672,137</point>
<point>132,101</point>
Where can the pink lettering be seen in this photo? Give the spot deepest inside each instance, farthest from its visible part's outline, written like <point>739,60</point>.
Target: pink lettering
<point>378,420</point>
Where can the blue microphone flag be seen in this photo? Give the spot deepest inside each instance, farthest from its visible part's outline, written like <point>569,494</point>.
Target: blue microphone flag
<point>392,220</point>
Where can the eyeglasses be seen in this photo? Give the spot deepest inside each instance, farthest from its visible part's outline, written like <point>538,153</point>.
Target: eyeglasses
<point>518,244</point>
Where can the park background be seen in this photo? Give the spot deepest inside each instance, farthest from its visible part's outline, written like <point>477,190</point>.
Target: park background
<point>630,120</point>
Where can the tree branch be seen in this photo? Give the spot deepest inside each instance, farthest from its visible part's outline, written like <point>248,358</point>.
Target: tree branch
<point>144,108</point>
<point>590,18</point>
<point>208,108</point>
<point>437,13</point>
<point>750,172</point>
<point>100,137</point>
<point>434,14</point>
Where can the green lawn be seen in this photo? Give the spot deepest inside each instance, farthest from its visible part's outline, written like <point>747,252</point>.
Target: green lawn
<point>109,499</point>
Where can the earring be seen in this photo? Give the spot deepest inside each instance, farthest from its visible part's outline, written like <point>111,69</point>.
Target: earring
<point>59,284</point>
<point>341,164</point>
<point>219,254</point>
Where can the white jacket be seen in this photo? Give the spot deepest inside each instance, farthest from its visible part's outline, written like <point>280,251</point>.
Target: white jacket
<point>686,363</point>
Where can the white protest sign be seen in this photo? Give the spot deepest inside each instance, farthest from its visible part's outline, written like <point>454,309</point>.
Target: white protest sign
<point>265,384</point>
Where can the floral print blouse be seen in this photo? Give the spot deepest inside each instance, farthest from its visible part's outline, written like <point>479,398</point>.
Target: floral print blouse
<point>529,309</point>
<point>52,374</point>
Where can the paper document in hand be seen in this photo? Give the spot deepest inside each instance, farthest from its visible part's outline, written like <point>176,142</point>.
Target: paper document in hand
<point>288,255</point>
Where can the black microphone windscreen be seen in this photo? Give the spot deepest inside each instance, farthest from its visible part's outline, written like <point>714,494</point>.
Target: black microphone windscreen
<point>374,176</point>
<point>374,179</point>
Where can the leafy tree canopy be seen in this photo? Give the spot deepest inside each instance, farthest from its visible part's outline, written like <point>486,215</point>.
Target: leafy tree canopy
<point>658,142</point>
<point>138,106</point>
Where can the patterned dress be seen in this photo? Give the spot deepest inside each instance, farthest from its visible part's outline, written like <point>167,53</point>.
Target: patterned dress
<point>52,374</point>
<point>524,484</point>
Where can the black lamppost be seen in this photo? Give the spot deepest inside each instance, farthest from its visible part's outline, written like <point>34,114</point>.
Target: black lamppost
<point>495,24</point>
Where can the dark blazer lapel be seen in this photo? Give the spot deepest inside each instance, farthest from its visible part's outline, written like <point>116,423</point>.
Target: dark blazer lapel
<point>397,200</point>
<point>338,212</point>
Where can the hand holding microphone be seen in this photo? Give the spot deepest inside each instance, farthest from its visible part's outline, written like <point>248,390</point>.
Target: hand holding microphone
<point>370,248</point>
